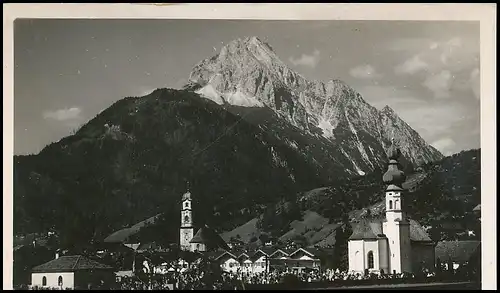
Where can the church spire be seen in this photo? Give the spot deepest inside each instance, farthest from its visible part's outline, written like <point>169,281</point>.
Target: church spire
<point>393,176</point>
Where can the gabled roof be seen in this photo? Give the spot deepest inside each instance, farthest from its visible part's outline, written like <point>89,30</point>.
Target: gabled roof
<point>257,254</point>
<point>267,250</point>
<point>372,230</point>
<point>312,252</point>
<point>70,263</point>
<point>278,251</point>
<point>477,208</point>
<point>418,233</point>
<point>366,230</point>
<point>458,251</point>
<point>226,253</point>
<point>210,238</point>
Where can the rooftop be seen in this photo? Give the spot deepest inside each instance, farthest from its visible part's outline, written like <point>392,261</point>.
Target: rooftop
<point>458,251</point>
<point>70,263</point>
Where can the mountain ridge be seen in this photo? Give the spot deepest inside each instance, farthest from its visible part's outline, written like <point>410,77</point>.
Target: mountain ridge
<point>135,157</point>
<point>247,73</point>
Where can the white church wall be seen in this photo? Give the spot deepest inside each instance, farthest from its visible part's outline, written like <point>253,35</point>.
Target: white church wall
<point>383,255</point>
<point>356,255</point>
<point>391,230</point>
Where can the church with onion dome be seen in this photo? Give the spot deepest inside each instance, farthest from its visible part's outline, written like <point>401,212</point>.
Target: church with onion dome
<point>396,243</point>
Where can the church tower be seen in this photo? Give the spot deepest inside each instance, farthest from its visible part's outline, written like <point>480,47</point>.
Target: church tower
<point>186,230</point>
<point>396,227</point>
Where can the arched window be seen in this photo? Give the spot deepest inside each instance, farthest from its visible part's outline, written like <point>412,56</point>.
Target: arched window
<point>390,204</point>
<point>396,204</point>
<point>370,259</point>
<point>186,219</point>
<point>44,281</point>
<point>60,281</point>
<point>186,204</point>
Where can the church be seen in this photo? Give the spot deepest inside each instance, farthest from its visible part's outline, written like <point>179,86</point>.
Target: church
<point>395,244</point>
<point>205,238</point>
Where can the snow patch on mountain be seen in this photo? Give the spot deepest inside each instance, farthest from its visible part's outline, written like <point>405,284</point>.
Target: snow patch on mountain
<point>327,128</point>
<point>240,99</point>
<point>359,144</point>
<point>209,92</point>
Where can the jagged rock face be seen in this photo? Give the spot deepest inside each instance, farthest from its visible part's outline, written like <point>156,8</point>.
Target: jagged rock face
<point>248,73</point>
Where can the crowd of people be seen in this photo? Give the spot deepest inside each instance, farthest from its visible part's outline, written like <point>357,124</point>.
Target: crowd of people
<point>196,279</point>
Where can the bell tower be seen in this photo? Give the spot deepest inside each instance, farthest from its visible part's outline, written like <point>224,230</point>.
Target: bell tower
<point>396,227</point>
<point>186,230</point>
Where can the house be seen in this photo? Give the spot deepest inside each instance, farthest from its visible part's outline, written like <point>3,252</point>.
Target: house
<point>304,259</point>
<point>72,272</point>
<point>228,262</point>
<point>260,261</point>
<point>395,244</point>
<point>266,259</point>
<point>451,255</point>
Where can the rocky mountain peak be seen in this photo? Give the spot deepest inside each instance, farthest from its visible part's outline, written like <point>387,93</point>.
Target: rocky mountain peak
<point>388,111</point>
<point>248,73</point>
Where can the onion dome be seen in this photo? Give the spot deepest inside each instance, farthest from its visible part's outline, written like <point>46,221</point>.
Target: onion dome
<point>394,176</point>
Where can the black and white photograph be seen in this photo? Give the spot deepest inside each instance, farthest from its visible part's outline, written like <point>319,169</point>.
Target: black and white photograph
<point>224,152</point>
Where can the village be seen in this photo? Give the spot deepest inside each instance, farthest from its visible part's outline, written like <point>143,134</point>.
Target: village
<point>392,250</point>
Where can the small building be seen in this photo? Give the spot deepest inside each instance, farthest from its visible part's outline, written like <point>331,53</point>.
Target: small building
<point>228,262</point>
<point>304,259</point>
<point>452,255</point>
<point>72,272</point>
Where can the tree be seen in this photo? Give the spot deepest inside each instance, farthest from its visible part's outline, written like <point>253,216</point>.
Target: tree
<point>340,254</point>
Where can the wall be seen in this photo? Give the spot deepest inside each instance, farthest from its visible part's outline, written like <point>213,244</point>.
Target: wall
<point>383,252</point>
<point>186,234</point>
<point>230,265</point>
<point>356,255</point>
<point>259,265</point>
<point>52,279</point>
<point>406,260</point>
<point>422,256</point>
<point>198,247</point>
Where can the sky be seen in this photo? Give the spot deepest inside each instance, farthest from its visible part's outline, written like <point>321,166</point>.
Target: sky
<point>68,70</point>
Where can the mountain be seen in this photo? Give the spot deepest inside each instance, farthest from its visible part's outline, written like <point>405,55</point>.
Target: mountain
<point>248,73</point>
<point>261,135</point>
<point>136,158</point>
<point>438,193</point>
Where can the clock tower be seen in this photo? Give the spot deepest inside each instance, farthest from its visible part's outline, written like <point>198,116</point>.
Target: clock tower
<point>186,230</point>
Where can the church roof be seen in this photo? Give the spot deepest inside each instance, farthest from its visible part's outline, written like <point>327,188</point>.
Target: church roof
<point>418,233</point>
<point>458,251</point>
<point>371,230</point>
<point>366,230</point>
<point>393,176</point>
<point>210,238</point>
